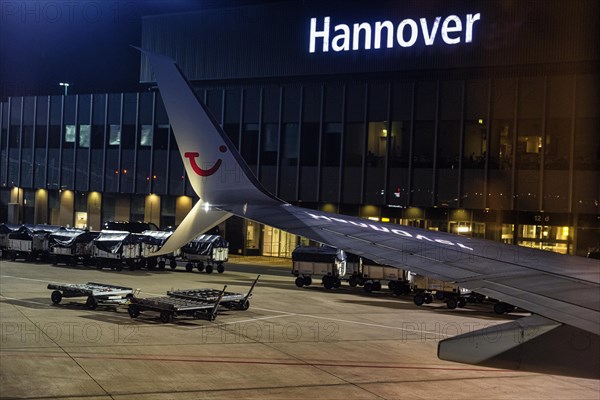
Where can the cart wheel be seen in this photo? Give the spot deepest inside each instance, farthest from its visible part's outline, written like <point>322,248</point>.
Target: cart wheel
<point>368,287</point>
<point>440,295</point>
<point>328,282</point>
<point>337,283</point>
<point>353,281</point>
<point>119,267</point>
<point>130,266</point>
<point>161,265</point>
<point>299,281</point>
<point>212,316</point>
<point>56,297</point>
<point>451,303</point>
<point>419,299</point>
<point>428,298</point>
<point>220,268</point>
<point>165,317</point>
<point>500,308</point>
<point>462,302</point>
<point>149,265</point>
<point>392,285</point>
<point>244,305</point>
<point>189,267</point>
<point>209,269</point>
<point>99,265</point>
<point>307,280</point>
<point>13,256</point>
<point>133,310</point>
<point>91,303</point>
<point>173,264</point>
<point>377,286</point>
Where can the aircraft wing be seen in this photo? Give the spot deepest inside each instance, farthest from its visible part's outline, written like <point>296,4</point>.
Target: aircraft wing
<point>561,290</point>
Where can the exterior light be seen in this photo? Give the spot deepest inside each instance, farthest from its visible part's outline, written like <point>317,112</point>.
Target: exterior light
<point>66,86</point>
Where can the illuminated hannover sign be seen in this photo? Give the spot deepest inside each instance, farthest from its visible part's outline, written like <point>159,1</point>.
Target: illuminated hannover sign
<point>364,36</point>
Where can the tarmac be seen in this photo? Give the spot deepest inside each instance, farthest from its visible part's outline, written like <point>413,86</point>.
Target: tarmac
<point>292,343</point>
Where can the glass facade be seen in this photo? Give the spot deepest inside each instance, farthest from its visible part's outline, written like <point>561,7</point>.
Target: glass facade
<point>503,144</point>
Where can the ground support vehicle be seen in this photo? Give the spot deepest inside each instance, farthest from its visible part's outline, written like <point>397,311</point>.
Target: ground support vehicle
<point>230,300</point>
<point>114,249</point>
<point>5,229</point>
<point>152,241</point>
<point>96,293</point>
<point>205,252</point>
<point>373,273</point>
<point>70,246</point>
<point>426,288</point>
<point>30,242</point>
<point>325,261</point>
<point>170,307</point>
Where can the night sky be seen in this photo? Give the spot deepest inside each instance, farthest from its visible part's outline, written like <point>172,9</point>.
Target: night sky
<point>84,43</point>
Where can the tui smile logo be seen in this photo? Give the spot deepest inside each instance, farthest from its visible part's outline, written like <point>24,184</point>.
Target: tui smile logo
<point>192,155</point>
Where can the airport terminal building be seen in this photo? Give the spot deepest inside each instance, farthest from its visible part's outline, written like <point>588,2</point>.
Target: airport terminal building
<point>479,118</point>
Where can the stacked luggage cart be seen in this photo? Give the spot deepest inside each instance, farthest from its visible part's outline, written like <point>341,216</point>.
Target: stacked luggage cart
<point>369,275</point>
<point>194,303</point>
<point>5,230</point>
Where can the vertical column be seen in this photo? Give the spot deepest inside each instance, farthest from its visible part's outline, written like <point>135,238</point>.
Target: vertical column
<point>94,203</point>
<point>152,209</point>
<point>40,210</point>
<point>67,208</point>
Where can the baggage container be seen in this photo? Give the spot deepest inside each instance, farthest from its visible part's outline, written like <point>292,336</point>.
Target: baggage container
<point>151,242</point>
<point>115,249</point>
<point>30,242</point>
<point>71,245</point>
<point>324,261</point>
<point>205,252</point>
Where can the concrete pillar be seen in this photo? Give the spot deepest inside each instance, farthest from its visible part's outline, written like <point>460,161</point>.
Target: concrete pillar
<point>183,206</point>
<point>152,209</point>
<point>94,207</point>
<point>15,206</point>
<point>67,208</point>
<point>40,210</point>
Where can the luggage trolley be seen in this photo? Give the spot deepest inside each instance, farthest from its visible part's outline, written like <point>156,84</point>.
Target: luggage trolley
<point>204,252</point>
<point>68,246</point>
<point>170,307</point>
<point>96,293</point>
<point>230,300</point>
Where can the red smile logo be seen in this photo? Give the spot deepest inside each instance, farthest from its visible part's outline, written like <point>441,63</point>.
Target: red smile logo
<point>191,155</point>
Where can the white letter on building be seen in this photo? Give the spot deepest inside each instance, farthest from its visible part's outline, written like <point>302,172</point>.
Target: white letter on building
<point>413,34</point>
<point>390,34</point>
<point>344,37</point>
<point>314,34</point>
<point>430,37</point>
<point>355,41</point>
<point>456,27</point>
<point>470,21</point>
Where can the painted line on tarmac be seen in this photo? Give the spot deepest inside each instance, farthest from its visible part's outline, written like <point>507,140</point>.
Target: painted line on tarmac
<point>360,323</point>
<point>28,279</point>
<point>241,322</point>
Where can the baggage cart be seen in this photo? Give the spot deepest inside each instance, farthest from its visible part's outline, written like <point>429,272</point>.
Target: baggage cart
<point>205,252</point>
<point>114,249</point>
<point>427,288</point>
<point>151,242</point>
<point>230,300</point>
<point>30,242</point>
<point>372,273</point>
<point>95,293</point>
<point>325,261</point>
<point>70,246</point>
<point>5,229</point>
<point>170,307</point>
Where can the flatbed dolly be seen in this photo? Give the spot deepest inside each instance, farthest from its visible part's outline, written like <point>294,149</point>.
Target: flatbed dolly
<point>96,293</point>
<point>230,300</point>
<point>170,307</point>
